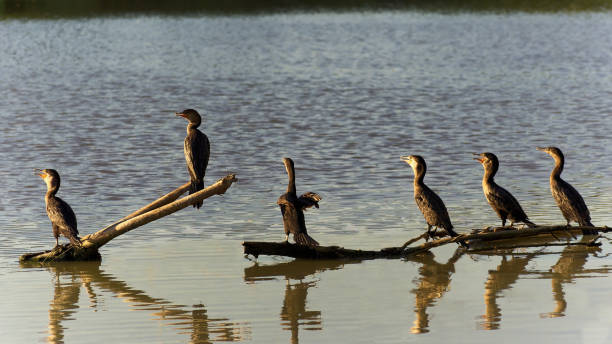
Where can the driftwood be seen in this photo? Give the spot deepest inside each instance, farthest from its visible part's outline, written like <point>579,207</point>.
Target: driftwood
<point>161,207</point>
<point>504,238</point>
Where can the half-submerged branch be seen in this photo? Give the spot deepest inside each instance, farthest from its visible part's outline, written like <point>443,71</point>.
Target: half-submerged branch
<point>161,207</point>
<point>475,242</point>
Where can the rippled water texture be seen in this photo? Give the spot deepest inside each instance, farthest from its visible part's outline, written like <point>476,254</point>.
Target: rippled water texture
<point>344,95</point>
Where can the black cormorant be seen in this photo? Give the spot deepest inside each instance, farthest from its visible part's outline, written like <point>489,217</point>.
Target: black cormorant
<point>568,199</point>
<point>61,215</point>
<point>502,201</point>
<point>197,151</point>
<point>429,203</point>
<point>292,208</point>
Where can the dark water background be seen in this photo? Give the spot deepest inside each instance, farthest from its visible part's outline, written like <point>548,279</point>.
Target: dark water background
<point>343,94</point>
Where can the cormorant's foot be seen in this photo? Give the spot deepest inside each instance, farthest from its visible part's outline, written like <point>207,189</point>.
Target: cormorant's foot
<point>463,244</point>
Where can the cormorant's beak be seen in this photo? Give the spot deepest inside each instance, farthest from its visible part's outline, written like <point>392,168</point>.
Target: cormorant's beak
<point>41,174</point>
<point>405,158</point>
<point>180,114</point>
<point>541,149</point>
<point>480,159</point>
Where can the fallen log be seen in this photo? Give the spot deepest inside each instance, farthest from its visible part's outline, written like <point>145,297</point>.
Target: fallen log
<point>161,207</point>
<point>475,241</point>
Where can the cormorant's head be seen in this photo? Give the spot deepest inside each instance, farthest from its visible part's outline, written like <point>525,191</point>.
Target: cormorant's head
<point>552,151</point>
<point>488,160</point>
<point>416,162</point>
<point>51,178</point>
<point>191,115</point>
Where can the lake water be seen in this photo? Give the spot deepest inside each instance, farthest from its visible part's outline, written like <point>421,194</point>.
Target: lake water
<point>344,95</point>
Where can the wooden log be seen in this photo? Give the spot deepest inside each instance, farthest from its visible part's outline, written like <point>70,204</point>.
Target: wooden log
<point>256,249</point>
<point>105,235</point>
<point>163,206</point>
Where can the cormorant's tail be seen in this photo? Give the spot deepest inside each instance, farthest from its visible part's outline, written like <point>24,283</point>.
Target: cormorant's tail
<point>587,223</point>
<point>529,223</point>
<point>451,232</point>
<point>75,240</point>
<point>196,185</point>
<point>305,239</point>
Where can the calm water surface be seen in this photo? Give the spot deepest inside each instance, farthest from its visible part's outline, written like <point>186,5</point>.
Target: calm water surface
<point>344,95</point>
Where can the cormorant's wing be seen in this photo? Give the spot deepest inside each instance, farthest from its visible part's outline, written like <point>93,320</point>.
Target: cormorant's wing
<point>309,199</point>
<point>502,199</point>
<point>62,216</point>
<point>293,219</point>
<point>432,207</point>
<point>197,153</point>
<point>571,200</point>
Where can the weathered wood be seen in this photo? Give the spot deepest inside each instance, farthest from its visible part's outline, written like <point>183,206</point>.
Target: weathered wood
<point>161,207</point>
<point>105,235</point>
<point>481,240</point>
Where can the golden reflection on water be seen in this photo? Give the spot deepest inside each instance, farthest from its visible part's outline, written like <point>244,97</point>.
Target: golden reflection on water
<point>432,284</point>
<point>193,321</point>
<point>434,281</point>
<point>294,313</point>
<point>569,267</point>
<point>502,278</point>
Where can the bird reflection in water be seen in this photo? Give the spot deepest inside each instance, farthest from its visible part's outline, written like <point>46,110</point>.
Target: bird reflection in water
<point>434,281</point>
<point>69,277</point>
<point>502,278</point>
<point>568,268</point>
<point>294,313</point>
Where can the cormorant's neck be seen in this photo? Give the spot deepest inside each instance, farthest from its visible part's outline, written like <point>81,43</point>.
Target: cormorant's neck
<point>489,175</point>
<point>51,191</point>
<point>419,175</point>
<point>193,125</point>
<point>556,172</point>
<point>291,185</point>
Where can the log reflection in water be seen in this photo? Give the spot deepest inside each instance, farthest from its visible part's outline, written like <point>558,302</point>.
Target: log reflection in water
<point>434,281</point>
<point>69,277</point>
<point>294,313</point>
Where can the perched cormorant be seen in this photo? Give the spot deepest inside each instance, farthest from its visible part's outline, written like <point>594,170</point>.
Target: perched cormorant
<point>293,208</point>
<point>568,199</point>
<point>502,201</point>
<point>429,203</point>
<point>61,215</point>
<point>197,151</point>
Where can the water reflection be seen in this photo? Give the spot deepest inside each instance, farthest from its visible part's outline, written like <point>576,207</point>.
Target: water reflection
<point>570,264</point>
<point>434,281</point>
<point>194,321</point>
<point>569,267</point>
<point>294,313</point>
<point>500,279</point>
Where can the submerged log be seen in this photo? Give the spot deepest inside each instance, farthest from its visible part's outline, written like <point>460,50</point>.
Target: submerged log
<point>161,207</point>
<point>474,242</point>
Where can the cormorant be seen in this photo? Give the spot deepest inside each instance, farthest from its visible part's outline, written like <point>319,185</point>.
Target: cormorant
<point>429,203</point>
<point>568,199</point>
<point>292,208</point>
<point>197,151</point>
<point>502,201</point>
<point>61,215</point>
